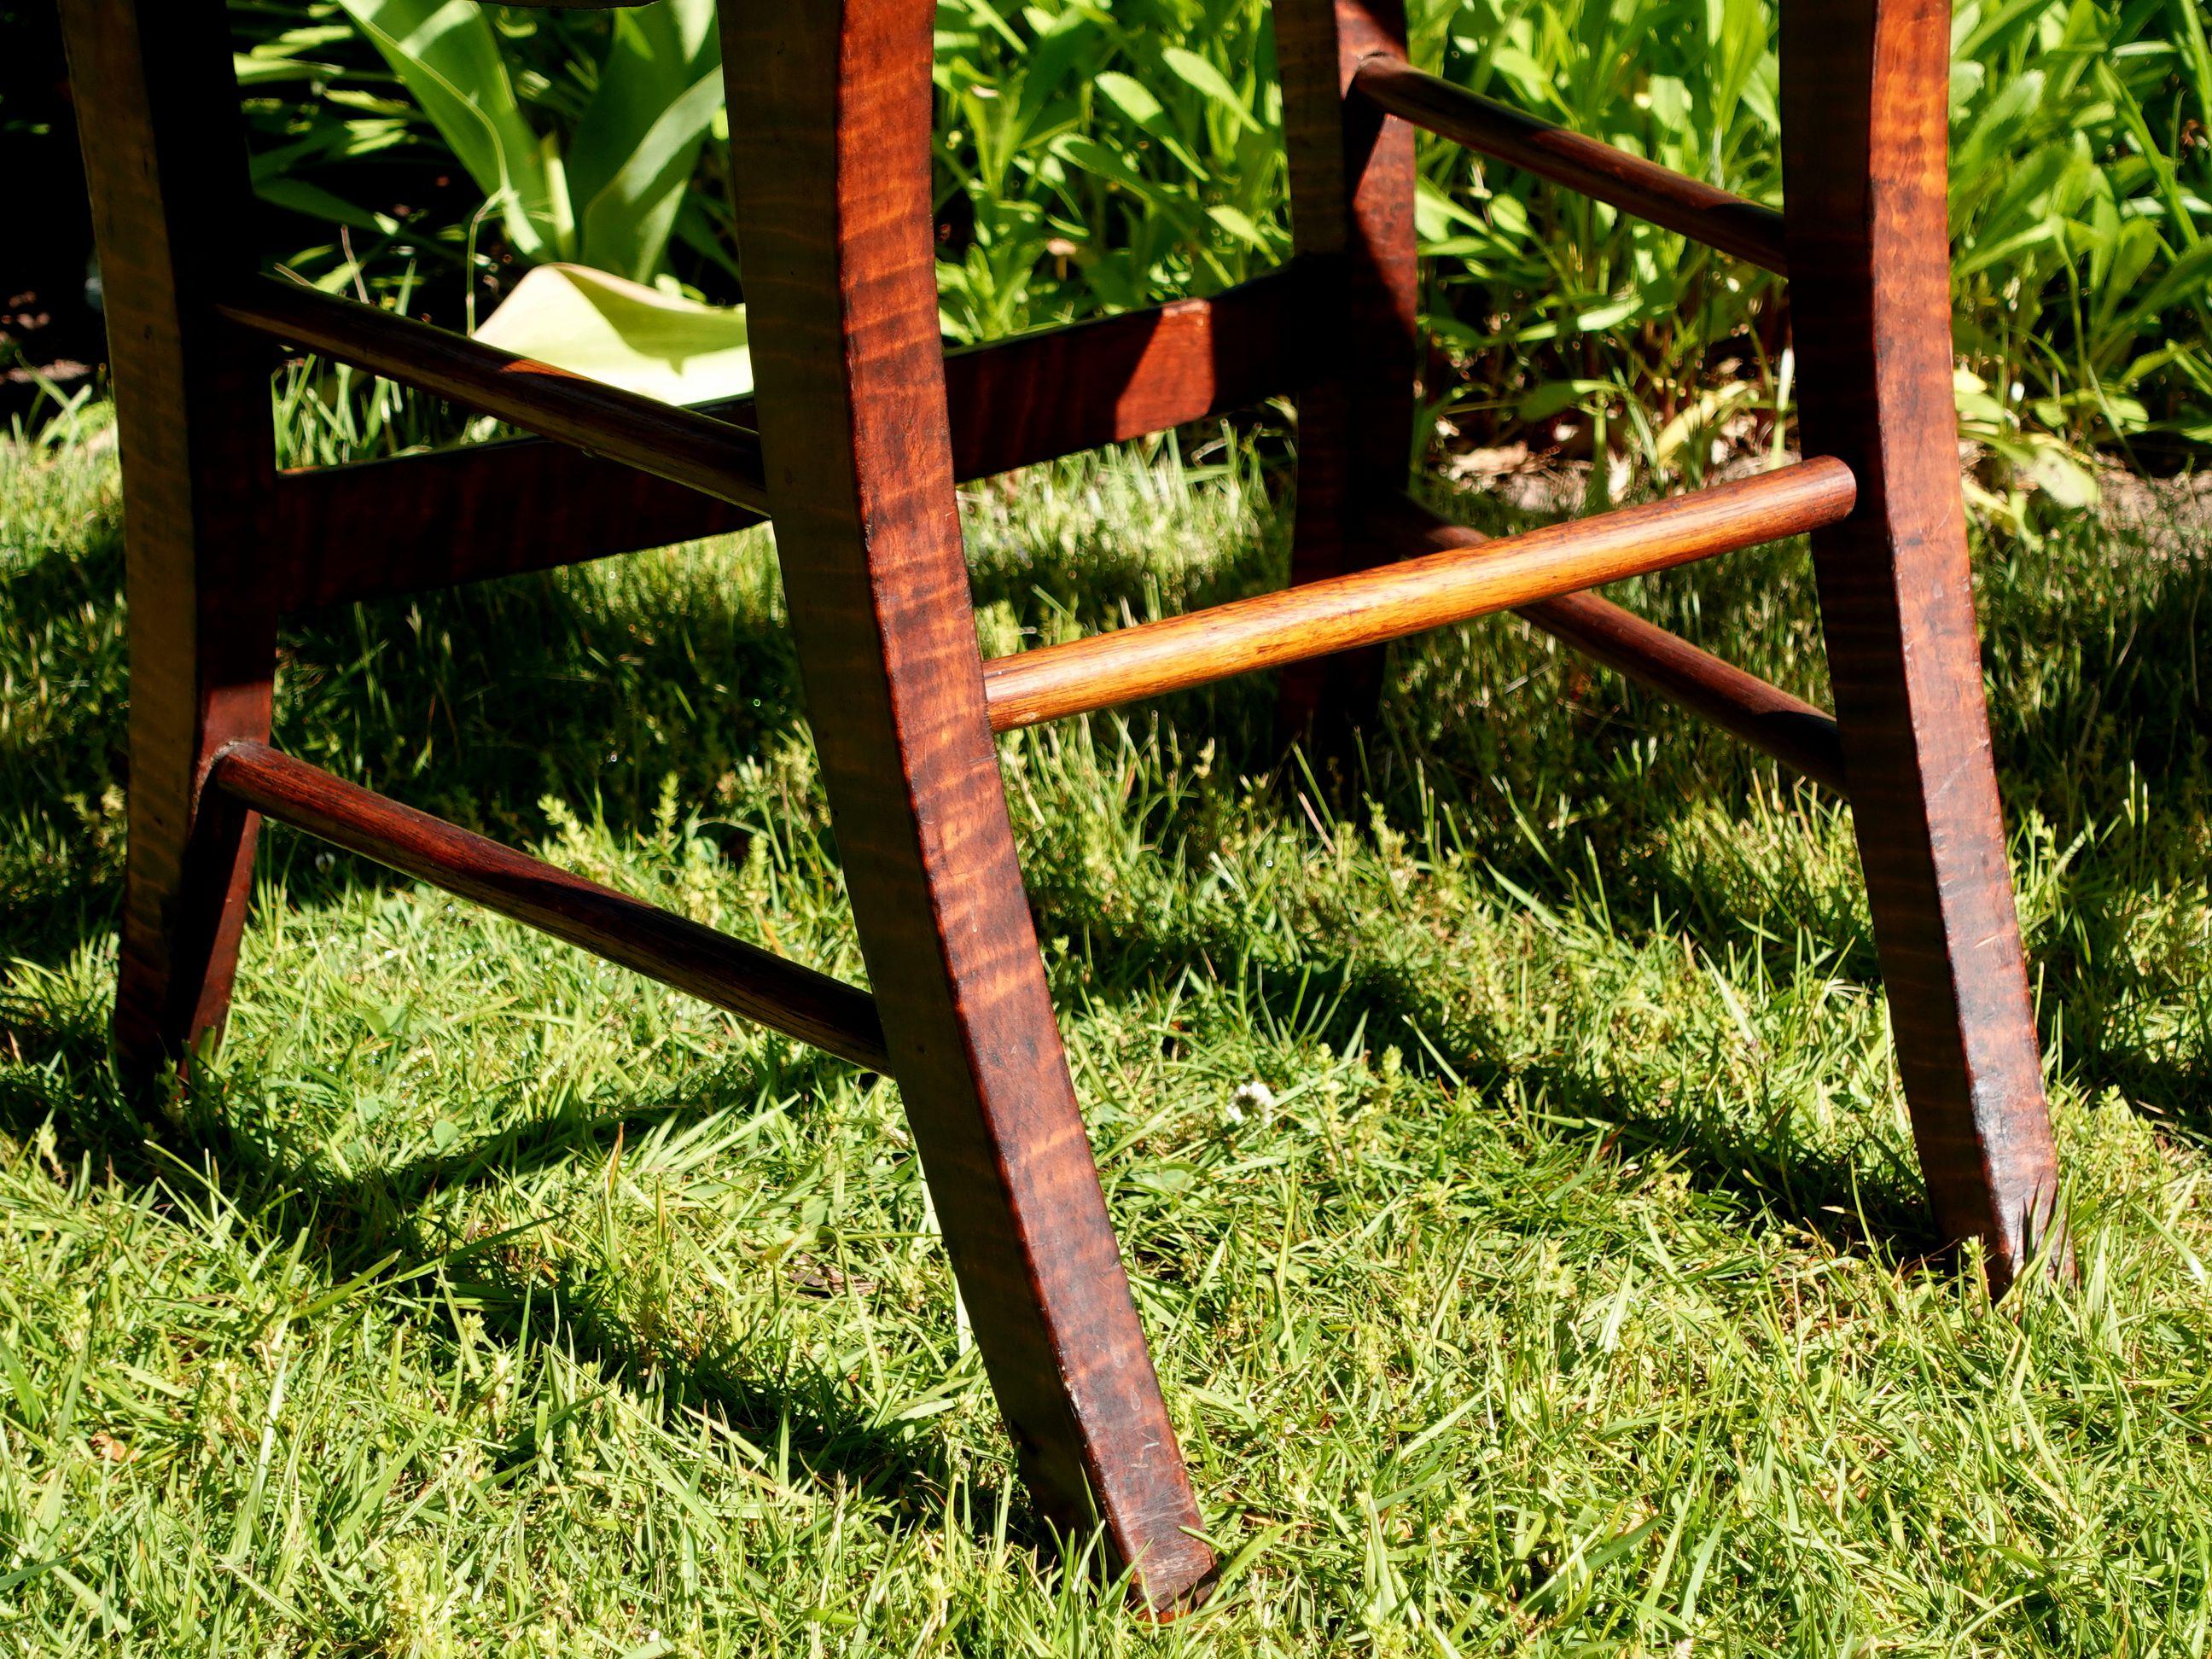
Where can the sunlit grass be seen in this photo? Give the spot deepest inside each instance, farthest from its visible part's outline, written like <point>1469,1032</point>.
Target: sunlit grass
<point>1508,1155</point>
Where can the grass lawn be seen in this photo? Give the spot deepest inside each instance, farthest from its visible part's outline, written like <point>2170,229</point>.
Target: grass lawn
<point>1512,1168</point>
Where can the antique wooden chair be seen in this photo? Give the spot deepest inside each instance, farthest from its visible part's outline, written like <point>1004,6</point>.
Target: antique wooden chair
<point>862,426</point>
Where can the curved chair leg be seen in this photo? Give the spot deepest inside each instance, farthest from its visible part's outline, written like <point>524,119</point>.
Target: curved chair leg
<point>1864,98</point>
<point>193,410</point>
<point>1351,214</point>
<point>832,107</point>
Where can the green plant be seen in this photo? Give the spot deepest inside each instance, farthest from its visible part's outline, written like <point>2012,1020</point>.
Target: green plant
<point>2081,179</point>
<point>580,135</point>
<point>1561,320</point>
<point>607,196</point>
<point>1095,157</point>
<point>1105,158</point>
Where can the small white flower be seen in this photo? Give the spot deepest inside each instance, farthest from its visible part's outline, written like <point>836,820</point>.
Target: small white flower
<point>1255,1095</point>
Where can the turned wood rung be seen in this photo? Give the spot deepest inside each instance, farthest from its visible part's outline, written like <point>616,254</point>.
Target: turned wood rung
<point>1450,577</point>
<point>728,973</point>
<point>1791,730</point>
<point>1586,165</point>
<point>1763,716</point>
<point>680,445</point>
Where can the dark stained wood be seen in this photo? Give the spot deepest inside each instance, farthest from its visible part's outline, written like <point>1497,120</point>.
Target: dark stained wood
<point>1061,390</point>
<point>680,445</point>
<point>830,106</point>
<point>166,162</point>
<point>1864,92</point>
<point>1764,716</point>
<point>397,527</point>
<point>746,980</point>
<point>377,529</point>
<point>1447,574</point>
<point>1352,217</point>
<point>1593,168</point>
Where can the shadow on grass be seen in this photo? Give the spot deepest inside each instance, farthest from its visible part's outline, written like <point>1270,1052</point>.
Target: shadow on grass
<point>2102,718</point>
<point>353,1225</point>
<point>1830,1194</point>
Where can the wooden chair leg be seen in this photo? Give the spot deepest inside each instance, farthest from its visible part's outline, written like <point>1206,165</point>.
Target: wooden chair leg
<point>832,107</point>
<point>1352,214</point>
<point>1864,97</point>
<point>192,404</point>
<point>189,865</point>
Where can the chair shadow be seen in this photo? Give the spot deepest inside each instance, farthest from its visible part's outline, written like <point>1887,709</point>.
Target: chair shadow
<point>2119,736</point>
<point>474,703</point>
<point>1830,1194</point>
<point>348,1223</point>
<point>55,778</point>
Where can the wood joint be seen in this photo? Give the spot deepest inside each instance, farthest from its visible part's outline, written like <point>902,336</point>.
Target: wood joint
<point>715,458</point>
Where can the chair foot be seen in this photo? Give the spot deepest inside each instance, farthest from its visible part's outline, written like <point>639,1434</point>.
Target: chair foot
<point>184,908</point>
<point>202,677</point>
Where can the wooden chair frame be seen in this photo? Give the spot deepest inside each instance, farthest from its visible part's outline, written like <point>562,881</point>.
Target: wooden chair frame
<point>862,425</point>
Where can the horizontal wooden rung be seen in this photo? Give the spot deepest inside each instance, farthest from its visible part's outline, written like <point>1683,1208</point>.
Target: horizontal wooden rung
<point>1769,719</point>
<point>1451,575</point>
<point>728,973</point>
<point>1061,391</point>
<point>682,446</point>
<point>396,527</point>
<point>1587,165</point>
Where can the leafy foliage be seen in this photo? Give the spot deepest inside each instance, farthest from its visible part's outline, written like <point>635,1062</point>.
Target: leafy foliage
<point>1102,164</point>
<point>1093,157</point>
<point>623,333</point>
<point>582,136</point>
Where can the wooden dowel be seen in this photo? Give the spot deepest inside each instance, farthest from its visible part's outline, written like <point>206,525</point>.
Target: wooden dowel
<point>728,973</point>
<point>1764,716</point>
<point>1586,165</point>
<point>680,445</point>
<point>1454,576</point>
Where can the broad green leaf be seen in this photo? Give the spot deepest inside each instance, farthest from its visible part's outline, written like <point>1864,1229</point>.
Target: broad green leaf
<point>1202,77</point>
<point>1052,67</point>
<point>1135,102</point>
<point>1557,397</point>
<point>626,223</point>
<point>1135,99</point>
<point>446,53</point>
<point>1237,224</point>
<point>306,197</point>
<point>625,334</point>
<point>633,152</point>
